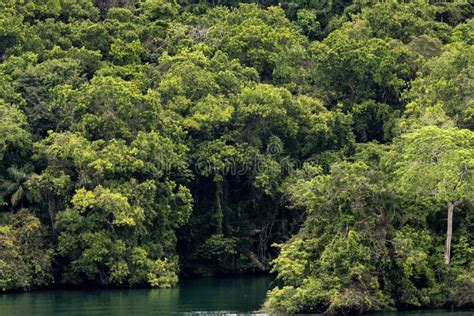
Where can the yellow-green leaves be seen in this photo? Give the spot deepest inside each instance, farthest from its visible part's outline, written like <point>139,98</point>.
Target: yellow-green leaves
<point>13,135</point>
<point>116,108</point>
<point>25,260</point>
<point>255,36</point>
<point>126,53</point>
<point>209,113</point>
<point>265,110</point>
<point>353,69</point>
<point>163,273</point>
<point>113,206</point>
<point>120,197</point>
<point>437,162</point>
<point>445,86</point>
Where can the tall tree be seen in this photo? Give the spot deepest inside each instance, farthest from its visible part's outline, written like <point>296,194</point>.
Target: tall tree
<point>438,163</point>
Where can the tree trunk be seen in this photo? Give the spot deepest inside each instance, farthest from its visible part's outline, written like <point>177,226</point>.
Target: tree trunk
<point>255,260</point>
<point>52,207</point>
<point>449,233</point>
<point>218,215</point>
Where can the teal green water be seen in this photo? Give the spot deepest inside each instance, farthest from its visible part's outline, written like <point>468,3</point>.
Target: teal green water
<point>425,313</point>
<point>196,296</point>
<point>210,296</point>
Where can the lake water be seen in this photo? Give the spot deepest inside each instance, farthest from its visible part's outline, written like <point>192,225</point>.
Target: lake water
<point>194,297</point>
<point>209,296</point>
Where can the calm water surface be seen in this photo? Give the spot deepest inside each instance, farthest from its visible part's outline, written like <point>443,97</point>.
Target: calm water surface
<point>210,296</point>
<point>238,295</point>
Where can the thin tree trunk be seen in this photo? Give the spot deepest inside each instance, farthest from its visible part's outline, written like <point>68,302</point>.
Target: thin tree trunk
<point>449,233</point>
<point>52,211</point>
<point>255,260</point>
<point>218,213</point>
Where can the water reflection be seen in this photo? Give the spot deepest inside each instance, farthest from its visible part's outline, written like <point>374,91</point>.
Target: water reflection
<point>211,296</point>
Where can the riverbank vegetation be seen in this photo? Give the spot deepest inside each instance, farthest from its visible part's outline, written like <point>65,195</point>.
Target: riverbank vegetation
<point>331,142</point>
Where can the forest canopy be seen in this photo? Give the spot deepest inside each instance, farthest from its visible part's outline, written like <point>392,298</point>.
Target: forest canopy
<point>329,142</point>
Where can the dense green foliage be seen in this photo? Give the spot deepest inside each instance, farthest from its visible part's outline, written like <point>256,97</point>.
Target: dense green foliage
<point>144,139</point>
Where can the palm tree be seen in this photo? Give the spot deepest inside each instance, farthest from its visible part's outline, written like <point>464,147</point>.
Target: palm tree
<point>13,186</point>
